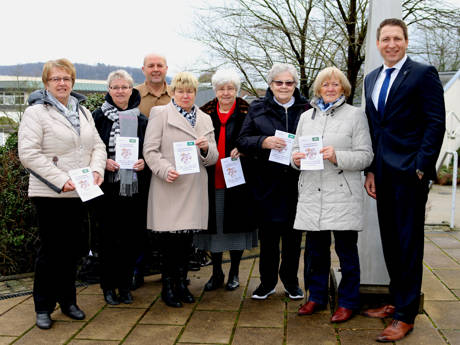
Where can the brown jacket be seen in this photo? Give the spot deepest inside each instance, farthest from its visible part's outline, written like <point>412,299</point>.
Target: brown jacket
<point>149,100</point>
<point>183,204</point>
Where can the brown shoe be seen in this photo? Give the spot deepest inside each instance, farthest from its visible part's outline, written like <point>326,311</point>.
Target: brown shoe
<point>396,331</point>
<point>341,315</point>
<point>309,308</point>
<point>381,313</point>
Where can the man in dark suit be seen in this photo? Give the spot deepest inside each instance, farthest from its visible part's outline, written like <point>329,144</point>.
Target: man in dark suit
<point>405,109</point>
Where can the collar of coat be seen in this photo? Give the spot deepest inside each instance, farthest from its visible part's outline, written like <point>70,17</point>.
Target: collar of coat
<point>134,100</point>
<point>241,107</point>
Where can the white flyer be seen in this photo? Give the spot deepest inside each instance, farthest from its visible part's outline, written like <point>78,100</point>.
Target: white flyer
<point>126,151</point>
<point>233,172</point>
<point>311,145</point>
<point>186,157</point>
<point>283,156</point>
<point>84,183</point>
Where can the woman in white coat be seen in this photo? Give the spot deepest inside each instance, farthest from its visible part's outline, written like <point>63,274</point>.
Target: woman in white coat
<point>57,134</point>
<point>331,199</point>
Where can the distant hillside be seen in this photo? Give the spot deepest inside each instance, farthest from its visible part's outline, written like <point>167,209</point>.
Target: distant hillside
<point>97,72</point>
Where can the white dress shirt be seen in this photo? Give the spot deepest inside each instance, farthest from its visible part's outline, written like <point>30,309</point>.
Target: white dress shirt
<point>381,78</point>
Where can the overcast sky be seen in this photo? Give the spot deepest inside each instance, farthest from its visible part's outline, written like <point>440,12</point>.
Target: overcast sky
<point>100,31</point>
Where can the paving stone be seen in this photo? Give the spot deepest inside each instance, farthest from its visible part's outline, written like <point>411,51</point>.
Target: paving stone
<point>454,253</point>
<point>143,297</point>
<point>434,289</point>
<point>111,324</point>
<point>17,320</point>
<point>59,333</point>
<point>6,340</point>
<point>7,304</point>
<point>160,313</point>
<point>455,234</point>
<point>456,292</point>
<point>263,313</point>
<point>265,336</point>
<point>453,336</point>
<point>358,336</point>
<point>209,327</point>
<point>444,313</point>
<point>221,299</point>
<point>361,322</point>
<point>310,330</point>
<point>93,289</point>
<point>445,241</point>
<point>153,335</point>
<point>438,259</point>
<point>450,277</point>
<point>93,342</point>
<point>90,304</point>
<point>423,334</point>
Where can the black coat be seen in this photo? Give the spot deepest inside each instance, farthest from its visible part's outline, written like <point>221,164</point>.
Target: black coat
<point>237,201</point>
<point>273,185</point>
<point>104,126</point>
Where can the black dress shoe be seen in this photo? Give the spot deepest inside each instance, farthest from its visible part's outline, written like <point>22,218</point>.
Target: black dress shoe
<point>73,312</point>
<point>110,297</point>
<point>44,320</point>
<point>125,296</point>
<point>233,283</point>
<point>167,293</point>
<point>214,282</point>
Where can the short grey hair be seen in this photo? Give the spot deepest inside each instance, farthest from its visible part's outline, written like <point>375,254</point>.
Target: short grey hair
<point>225,76</point>
<point>120,74</point>
<point>278,68</point>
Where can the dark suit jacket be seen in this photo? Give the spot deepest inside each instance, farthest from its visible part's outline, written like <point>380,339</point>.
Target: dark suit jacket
<point>410,134</point>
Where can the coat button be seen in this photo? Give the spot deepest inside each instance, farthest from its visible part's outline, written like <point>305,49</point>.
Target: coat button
<point>319,189</point>
<point>341,185</point>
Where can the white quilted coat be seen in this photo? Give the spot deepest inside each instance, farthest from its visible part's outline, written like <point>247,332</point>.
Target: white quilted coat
<point>49,147</point>
<point>332,199</point>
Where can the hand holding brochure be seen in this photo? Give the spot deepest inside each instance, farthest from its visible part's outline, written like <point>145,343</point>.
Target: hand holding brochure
<point>186,157</point>
<point>84,183</point>
<point>126,151</point>
<point>233,172</point>
<point>283,156</point>
<point>311,145</point>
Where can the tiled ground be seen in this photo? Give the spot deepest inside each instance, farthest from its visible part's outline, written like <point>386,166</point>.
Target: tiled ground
<point>222,317</point>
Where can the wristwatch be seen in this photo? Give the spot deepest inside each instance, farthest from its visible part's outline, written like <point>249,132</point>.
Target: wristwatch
<point>419,173</point>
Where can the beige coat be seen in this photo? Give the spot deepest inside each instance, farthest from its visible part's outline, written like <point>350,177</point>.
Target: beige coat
<point>49,147</point>
<point>183,204</point>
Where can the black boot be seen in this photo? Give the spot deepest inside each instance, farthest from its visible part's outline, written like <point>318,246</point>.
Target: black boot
<point>167,293</point>
<point>181,289</point>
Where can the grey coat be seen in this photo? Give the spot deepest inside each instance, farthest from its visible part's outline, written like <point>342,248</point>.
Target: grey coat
<point>332,199</point>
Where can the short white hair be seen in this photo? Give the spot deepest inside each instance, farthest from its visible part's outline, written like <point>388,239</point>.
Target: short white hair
<point>278,68</point>
<point>225,76</point>
<point>120,74</point>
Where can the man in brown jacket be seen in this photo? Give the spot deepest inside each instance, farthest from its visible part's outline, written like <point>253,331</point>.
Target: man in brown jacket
<point>154,91</point>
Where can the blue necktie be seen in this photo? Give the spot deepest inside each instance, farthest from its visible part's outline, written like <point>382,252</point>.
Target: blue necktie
<point>383,91</point>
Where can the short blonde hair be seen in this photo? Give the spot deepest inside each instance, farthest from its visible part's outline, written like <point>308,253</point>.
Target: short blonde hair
<point>185,80</point>
<point>60,63</point>
<point>120,74</point>
<point>328,73</point>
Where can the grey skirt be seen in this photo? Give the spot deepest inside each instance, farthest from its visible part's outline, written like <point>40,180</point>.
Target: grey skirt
<point>221,242</point>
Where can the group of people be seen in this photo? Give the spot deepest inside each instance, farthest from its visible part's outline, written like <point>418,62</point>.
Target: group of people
<point>396,142</point>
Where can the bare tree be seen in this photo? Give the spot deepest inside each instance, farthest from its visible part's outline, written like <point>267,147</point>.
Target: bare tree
<point>311,34</point>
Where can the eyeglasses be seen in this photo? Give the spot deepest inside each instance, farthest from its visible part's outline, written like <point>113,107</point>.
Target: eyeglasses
<point>288,83</point>
<point>59,79</point>
<point>122,88</point>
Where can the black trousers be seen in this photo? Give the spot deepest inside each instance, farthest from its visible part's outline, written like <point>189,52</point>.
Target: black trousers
<point>401,201</point>
<point>121,226</point>
<point>175,249</point>
<point>317,267</point>
<point>60,222</point>
<point>269,260</point>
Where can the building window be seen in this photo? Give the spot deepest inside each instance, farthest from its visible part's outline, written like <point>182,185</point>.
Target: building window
<point>12,98</point>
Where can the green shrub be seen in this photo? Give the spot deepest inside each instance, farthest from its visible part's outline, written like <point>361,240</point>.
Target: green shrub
<point>94,101</point>
<point>18,235</point>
